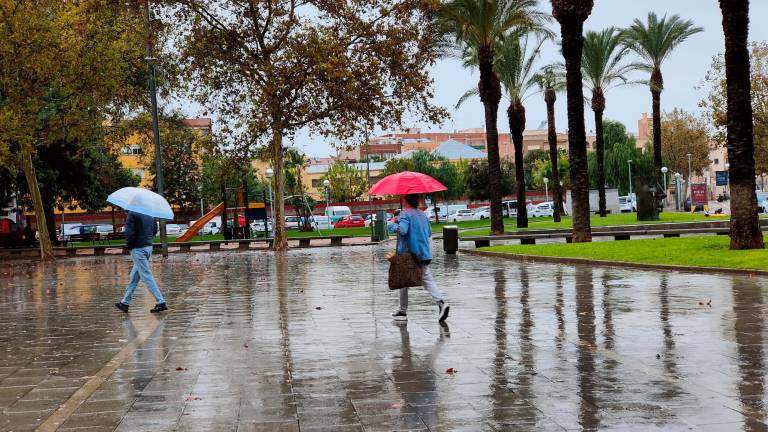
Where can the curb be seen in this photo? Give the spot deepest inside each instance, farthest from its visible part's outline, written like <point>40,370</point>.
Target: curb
<point>605,263</point>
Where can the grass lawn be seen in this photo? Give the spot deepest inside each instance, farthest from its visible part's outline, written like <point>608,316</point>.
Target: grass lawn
<point>705,251</point>
<point>612,219</point>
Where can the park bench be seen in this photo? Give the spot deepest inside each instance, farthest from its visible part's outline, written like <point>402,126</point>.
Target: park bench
<point>335,240</point>
<point>115,236</point>
<point>617,234</point>
<point>85,237</point>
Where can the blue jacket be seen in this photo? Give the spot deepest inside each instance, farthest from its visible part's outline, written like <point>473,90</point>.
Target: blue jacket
<point>415,234</point>
<point>139,230</point>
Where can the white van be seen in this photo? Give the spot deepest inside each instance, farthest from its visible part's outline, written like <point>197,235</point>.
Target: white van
<point>335,213</point>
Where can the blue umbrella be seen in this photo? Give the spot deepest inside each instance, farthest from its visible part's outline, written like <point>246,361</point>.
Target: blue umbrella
<point>142,201</point>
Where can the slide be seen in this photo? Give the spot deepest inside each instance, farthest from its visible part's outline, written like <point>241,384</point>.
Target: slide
<point>200,223</point>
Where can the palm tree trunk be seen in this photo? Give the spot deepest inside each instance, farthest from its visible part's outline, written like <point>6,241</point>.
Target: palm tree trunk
<point>745,226</point>
<point>657,84</point>
<point>490,95</point>
<point>46,248</point>
<point>598,106</point>
<point>280,241</point>
<point>516,115</point>
<point>557,192</point>
<point>571,15</point>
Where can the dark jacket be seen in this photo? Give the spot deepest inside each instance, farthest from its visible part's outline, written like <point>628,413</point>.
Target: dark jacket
<point>139,230</point>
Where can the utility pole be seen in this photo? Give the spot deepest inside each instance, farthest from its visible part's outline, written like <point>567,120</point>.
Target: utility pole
<point>155,123</point>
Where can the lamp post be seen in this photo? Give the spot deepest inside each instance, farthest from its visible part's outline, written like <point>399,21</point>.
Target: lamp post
<point>155,126</point>
<point>629,166</point>
<point>327,186</point>
<point>677,191</point>
<point>546,190</point>
<point>270,172</point>
<point>664,179</point>
<point>690,174</point>
<point>728,180</point>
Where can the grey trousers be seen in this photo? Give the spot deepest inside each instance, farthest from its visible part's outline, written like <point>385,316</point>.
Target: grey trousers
<point>428,283</point>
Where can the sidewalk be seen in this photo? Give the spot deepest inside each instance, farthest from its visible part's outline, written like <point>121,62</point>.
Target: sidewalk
<point>254,342</point>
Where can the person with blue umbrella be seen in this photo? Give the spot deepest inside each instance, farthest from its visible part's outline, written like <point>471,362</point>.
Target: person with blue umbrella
<point>143,207</point>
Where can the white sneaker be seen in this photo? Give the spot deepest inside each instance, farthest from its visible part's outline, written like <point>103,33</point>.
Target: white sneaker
<point>443,312</point>
<point>400,316</point>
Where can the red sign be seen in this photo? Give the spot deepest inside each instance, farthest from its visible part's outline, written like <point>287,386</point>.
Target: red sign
<point>699,193</point>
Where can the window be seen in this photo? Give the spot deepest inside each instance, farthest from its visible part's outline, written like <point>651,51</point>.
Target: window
<point>716,161</point>
<point>133,149</point>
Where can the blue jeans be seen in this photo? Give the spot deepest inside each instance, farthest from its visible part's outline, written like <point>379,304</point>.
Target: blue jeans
<point>141,271</point>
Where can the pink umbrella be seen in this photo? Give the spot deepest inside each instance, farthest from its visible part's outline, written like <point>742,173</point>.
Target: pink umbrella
<point>405,183</point>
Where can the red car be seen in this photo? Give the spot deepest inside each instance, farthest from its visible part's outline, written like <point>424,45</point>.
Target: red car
<point>351,221</point>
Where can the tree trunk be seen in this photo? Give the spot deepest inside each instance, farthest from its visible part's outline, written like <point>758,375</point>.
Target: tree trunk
<point>745,226</point>
<point>280,241</point>
<point>46,248</point>
<point>657,85</point>
<point>490,95</point>
<point>557,192</point>
<point>571,15</point>
<point>598,106</point>
<point>516,115</point>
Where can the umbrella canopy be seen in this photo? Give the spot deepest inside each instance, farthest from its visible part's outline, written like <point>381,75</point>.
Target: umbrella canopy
<point>405,183</point>
<point>142,201</point>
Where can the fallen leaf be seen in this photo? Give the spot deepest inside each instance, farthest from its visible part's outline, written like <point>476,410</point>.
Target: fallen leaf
<point>181,368</point>
<point>193,398</point>
<point>658,356</point>
<point>450,371</point>
<point>318,308</point>
<point>245,345</point>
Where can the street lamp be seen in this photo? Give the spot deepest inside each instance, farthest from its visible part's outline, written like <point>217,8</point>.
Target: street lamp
<point>270,173</point>
<point>690,174</point>
<point>629,165</point>
<point>546,190</point>
<point>728,180</point>
<point>327,186</point>
<point>664,177</point>
<point>677,191</point>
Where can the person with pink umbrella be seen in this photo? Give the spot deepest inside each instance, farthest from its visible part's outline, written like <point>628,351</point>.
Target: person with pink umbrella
<point>414,232</point>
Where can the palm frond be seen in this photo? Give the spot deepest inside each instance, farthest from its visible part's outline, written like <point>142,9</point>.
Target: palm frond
<point>655,39</point>
<point>471,93</point>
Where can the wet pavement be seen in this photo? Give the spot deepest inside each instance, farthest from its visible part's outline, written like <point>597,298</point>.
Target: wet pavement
<point>259,343</point>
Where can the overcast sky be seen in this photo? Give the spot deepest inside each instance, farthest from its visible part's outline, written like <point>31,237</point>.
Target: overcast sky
<point>683,71</point>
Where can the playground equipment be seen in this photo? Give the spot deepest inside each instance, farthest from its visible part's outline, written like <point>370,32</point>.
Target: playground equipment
<point>200,223</point>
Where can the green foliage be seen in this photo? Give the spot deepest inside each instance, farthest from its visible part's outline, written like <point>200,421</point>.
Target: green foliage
<point>616,133</point>
<point>703,251</point>
<point>224,169</point>
<point>450,174</point>
<point>529,163</point>
<point>347,183</point>
<point>476,178</point>
<point>602,63</point>
<point>617,168</point>
<point>99,173</point>
<point>543,168</point>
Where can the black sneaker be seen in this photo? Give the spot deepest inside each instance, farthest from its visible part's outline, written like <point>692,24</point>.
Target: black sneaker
<point>443,312</point>
<point>400,316</point>
<point>159,308</point>
<point>122,306</point>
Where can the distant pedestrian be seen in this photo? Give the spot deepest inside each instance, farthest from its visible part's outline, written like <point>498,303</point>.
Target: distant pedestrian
<point>139,232</point>
<point>415,236</point>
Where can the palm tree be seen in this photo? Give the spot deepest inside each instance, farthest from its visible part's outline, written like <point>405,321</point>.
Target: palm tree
<point>514,66</point>
<point>654,41</point>
<point>603,65</point>
<point>479,25</point>
<point>745,226</point>
<point>550,83</point>
<point>571,15</point>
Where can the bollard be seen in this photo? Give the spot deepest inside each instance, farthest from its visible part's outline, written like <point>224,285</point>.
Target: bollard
<point>451,239</point>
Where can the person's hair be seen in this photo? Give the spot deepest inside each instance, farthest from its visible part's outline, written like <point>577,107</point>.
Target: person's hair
<point>412,200</point>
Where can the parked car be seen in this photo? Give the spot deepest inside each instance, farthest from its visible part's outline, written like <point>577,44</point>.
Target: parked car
<point>172,229</point>
<point>292,223</point>
<point>627,204</point>
<point>211,228</point>
<point>461,215</point>
<point>69,230</point>
<point>183,228</point>
<point>351,221</point>
<point>482,213</point>
<point>258,228</point>
<point>372,218</point>
<point>322,222</point>
<point>545,209</point>
<point>687,205</point>
<point>337,212</point>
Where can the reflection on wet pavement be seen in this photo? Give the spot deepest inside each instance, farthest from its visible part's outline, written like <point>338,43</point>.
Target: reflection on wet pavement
<point>256,342</point>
